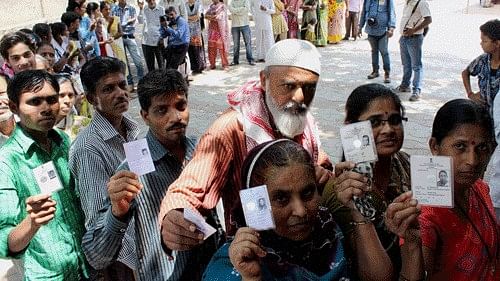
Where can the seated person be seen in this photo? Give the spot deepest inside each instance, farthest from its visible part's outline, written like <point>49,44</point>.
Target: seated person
<point>462,242</point>
<point>306,243</point>
<point>375,249</point>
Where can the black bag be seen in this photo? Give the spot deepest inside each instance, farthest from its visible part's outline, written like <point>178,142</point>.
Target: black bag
<point>426,30</point>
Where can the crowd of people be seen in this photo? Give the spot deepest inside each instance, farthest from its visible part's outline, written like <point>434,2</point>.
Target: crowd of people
<point>72,209</point>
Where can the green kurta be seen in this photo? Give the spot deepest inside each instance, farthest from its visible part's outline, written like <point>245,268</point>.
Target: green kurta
<point>55,252</point>
<point>322,26</point>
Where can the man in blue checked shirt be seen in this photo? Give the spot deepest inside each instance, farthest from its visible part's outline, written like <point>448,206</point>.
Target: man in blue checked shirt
<point>176,29</point>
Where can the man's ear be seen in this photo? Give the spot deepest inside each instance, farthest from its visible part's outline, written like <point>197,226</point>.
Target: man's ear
<point>145,115</point>
<point>13,107</point>
<point>262,76</point>
<point>434,146</point>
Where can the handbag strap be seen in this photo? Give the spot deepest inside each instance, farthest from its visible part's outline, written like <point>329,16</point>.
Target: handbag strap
<point>412,12</point>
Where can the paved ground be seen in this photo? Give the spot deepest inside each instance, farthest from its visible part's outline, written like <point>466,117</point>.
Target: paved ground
<point>453,41</point>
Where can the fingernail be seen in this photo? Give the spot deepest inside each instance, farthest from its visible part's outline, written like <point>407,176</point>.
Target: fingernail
<point>413,202</point>
<point>192,228</point>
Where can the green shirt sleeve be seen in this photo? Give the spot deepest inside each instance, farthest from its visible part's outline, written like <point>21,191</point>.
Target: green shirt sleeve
<point>341,214</point>
<point>10,212</point>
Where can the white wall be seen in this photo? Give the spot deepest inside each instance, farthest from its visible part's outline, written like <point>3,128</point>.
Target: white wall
<point>17,14</point>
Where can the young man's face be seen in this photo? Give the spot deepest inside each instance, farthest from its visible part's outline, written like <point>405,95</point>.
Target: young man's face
<point>111,97</point>
<point>168,117</point>
<point>21,58</point>
<point>48,53</point>
<point>74,26</point>
<point>38,110</point>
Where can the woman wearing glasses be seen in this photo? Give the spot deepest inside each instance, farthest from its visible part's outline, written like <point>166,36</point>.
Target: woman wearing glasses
<point>381,257</point>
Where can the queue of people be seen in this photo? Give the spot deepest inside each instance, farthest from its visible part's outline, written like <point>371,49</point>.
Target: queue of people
<point>73,209</point>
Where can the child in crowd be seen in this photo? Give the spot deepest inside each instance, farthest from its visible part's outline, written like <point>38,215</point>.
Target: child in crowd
<point>310,30</point>
<point>486,66</point>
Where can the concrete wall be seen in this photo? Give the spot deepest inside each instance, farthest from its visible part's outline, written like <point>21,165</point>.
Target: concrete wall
<point>17,14</point>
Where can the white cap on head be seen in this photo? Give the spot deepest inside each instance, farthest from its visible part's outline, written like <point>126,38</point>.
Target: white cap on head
<point>294,52</point>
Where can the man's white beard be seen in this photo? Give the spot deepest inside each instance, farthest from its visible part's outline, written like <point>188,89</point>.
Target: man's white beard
<point>289,124</point>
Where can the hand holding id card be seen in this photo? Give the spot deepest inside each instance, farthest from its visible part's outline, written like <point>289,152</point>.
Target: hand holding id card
<point>200,223</point>
<point>432,180</point>
<point>139,157</point>
<point>47,178</point>
<point>257,208</point>
<point>358,142</point>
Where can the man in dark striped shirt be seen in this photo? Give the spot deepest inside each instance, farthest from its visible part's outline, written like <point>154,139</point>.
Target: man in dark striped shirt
<point>134,202</point>
<point>98,150</point>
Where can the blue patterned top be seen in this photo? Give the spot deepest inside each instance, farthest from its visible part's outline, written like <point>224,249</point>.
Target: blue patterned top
<point>488,83</point>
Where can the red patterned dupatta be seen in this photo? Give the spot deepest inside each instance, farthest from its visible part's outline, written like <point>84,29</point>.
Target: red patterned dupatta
<point>219,11</point>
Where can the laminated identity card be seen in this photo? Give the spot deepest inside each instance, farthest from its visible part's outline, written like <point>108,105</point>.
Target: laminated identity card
<point>200,223</point>
<point>257,208</point>
<point>432,180</point>
<point>47,178</point>
<point>358,143</point>
<point>139,157</point>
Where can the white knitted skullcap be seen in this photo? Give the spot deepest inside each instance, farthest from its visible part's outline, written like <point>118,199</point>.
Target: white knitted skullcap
<point>294,52</point>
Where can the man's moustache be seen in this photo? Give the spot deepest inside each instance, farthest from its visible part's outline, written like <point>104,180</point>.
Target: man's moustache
<point>177,126</point>
<point>295,108</point>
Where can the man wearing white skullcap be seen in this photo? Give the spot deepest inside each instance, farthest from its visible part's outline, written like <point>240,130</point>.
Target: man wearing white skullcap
<point>276,106</point>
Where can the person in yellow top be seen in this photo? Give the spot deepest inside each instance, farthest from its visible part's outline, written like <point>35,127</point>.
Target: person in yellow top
<point>280,26</point>
<point>114,31</point>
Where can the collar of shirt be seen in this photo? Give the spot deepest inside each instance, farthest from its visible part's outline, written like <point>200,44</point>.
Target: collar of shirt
<point>26,142</point>
<point>158,151</point>
<point>107,131</point>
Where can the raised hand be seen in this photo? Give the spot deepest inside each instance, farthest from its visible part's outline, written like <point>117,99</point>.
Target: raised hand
<point>178,233</point>
<point>401,216</point>
<point>123,187</point>
<point>348,184</point>
<point>41,209</point>
<point>245,252</point>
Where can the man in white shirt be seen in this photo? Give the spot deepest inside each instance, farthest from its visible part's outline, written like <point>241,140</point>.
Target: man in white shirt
<point>239,25</point>
<point>179,5</point>
<point>352,21</point>
<point>416,17</point>
<point>150,17</point>
<point>264,39</point>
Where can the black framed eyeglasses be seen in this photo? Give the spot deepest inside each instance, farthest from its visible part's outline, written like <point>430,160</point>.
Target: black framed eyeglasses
<point>394,120</point>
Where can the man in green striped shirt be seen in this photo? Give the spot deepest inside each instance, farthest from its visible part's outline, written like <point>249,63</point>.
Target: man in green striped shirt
<point>44,230</point>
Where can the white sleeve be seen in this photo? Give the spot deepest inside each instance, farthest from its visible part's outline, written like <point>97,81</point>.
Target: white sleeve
<point>423,7</point>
